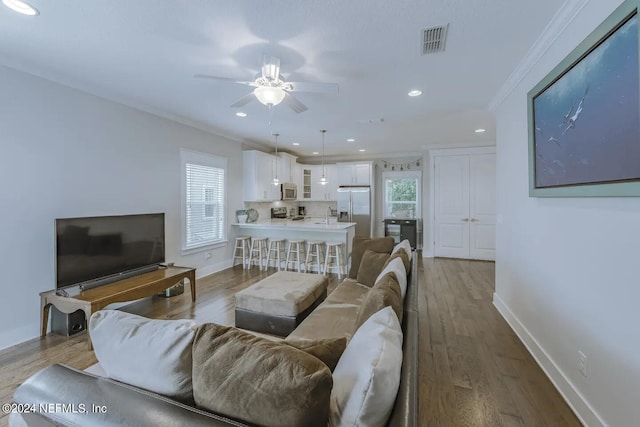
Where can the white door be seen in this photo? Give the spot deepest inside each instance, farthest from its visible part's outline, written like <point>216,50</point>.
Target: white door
<point>465,203</point>
<point>452,206</point>
<point>482,207</point>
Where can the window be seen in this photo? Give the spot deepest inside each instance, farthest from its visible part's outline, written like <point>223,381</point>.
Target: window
<point>203,201</point>
<point>401,194</point>
<point>209,196</point>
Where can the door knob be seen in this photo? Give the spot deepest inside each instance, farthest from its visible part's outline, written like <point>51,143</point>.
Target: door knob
<point>465,219</point>
<point>474,220</point>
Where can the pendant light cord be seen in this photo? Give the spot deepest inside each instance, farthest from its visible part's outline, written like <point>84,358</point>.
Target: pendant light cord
<point>323,132</point>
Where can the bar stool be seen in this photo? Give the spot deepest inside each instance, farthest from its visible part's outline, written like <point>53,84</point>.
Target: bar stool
<point>296,247</point>
<point>242,244</point>
<point>333,258</point>
<point>276,248</point>
<point>314,255</point>
<point>258,250</point>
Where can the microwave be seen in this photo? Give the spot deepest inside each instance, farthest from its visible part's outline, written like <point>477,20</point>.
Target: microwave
<point>288,191</point>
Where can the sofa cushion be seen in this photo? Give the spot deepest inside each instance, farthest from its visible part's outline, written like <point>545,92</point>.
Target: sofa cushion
<point>397,267</point>
<point>361,244</point>
<point>329,320</point>
<point>151,354</point>
<point>370,267</point>
<point>366,379</point>
<point>334,317</point>
<point>261,382</point>
<point>402,255</point>
<point>385,293</point>
<point>349,291</point>
<point>328,350</point>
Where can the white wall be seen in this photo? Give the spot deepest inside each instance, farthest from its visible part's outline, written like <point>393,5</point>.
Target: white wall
<point>567,269</point>
<point>65,153</point>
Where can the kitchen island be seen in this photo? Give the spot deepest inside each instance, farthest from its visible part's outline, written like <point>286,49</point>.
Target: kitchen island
<point>307,229</point>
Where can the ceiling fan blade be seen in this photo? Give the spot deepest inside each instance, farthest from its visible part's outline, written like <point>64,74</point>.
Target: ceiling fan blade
<point>330,88</point>
<point>271,68</point>
<point>291,102</point>
<point>224,79</point>
<point>244,100</point>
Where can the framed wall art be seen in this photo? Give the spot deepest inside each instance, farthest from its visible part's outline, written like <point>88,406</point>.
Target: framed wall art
<point>584,117</point>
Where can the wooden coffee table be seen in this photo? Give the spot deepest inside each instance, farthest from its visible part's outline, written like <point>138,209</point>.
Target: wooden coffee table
<point>129,289</point>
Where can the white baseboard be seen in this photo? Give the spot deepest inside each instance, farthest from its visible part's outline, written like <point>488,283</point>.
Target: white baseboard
<point>583,410</point>
<point>213,268</point>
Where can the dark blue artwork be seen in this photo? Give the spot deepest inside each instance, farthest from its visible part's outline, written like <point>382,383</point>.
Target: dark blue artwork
<point>587,123</point>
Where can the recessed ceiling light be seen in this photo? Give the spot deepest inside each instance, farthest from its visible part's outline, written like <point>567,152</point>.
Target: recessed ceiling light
<point>361,150</point>
<point>21,7</point>
<point>351,140</point>
<point>241,114</point>
<point>315,152</point>
<point>480,130</point>
<point>296,143</point>
<point>415,93</point>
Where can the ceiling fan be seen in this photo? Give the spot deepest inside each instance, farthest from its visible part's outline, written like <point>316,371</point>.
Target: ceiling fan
<point>271,88</point>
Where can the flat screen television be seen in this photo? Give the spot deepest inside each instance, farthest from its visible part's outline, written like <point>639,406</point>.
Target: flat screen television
<point>97,250</point>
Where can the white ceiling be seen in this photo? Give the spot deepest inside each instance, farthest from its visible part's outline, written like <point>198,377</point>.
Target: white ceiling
<point>144,53</point>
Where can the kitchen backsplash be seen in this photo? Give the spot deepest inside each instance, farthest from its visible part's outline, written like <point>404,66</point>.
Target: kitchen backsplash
<point>318,209</point>
<point>314,209</point>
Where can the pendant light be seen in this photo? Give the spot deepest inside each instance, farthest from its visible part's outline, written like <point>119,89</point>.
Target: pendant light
<point>323,178</point>
<point>276,181</point>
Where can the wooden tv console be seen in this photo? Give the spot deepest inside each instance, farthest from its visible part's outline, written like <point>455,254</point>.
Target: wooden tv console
<point>129,289</point>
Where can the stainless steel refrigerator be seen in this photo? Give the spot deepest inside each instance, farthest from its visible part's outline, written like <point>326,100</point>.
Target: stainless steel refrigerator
<point>354,205</point>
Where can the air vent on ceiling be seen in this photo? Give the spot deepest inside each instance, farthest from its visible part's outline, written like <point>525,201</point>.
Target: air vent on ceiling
<point>433,39</point>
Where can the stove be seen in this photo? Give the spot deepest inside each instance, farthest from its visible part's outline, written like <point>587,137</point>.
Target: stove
<point>279,213</point>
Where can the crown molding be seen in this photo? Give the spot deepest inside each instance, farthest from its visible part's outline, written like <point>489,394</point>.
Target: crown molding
<point>124,101</point>
<point>563,17</point>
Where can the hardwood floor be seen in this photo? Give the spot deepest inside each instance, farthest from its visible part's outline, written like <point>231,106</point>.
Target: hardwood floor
<point>473,370</point>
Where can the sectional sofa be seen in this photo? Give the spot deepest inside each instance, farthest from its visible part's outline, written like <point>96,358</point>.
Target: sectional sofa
<point>128,405</point>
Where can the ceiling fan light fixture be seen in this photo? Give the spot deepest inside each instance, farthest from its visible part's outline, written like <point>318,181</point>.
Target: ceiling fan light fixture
<point>268,95</point>
<point>21,7</point>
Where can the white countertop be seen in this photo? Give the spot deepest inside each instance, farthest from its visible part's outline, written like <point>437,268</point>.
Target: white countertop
<point>316,224</point>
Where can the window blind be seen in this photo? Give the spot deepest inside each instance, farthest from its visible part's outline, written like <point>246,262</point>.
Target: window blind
<point>204,202</point>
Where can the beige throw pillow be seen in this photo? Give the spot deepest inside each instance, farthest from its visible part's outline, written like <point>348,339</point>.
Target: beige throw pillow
<point>370,267</point>
<point>385,293</point>
<point>258,381</point>
<point>361,244</point>
<point>328,350</point>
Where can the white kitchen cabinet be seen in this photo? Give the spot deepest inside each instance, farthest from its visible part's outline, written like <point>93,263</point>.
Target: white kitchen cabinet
<point>304,191</point>
<point>321,192</point>
<point>258,173</point>
<point>287,167</point>
<point>354,173</point>
<point>332,186</point>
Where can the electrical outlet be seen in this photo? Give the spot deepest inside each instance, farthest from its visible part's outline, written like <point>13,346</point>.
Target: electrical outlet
<point>582,363</point>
